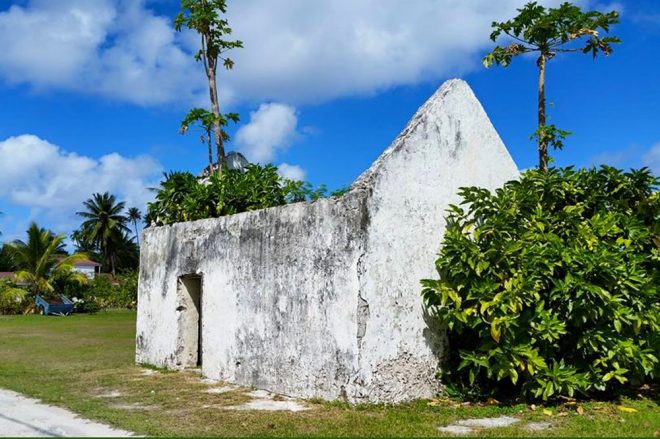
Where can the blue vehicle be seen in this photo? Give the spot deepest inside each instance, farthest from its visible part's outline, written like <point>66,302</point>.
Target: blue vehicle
<point>45,307</point>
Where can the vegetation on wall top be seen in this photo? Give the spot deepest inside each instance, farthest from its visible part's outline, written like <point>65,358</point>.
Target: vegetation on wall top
<point>183,197</point>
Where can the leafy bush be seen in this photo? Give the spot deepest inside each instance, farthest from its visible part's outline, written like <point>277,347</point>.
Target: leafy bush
<point>89,306</point>
<point>102,293</point>
<point>549,286</point>
<point>182,197</point>
<point>13,300</point>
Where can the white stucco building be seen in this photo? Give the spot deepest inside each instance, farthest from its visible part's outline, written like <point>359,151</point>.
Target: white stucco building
<point>89,268</point>
<point>322,299</point>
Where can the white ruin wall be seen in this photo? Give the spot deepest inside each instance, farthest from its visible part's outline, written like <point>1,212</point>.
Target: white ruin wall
<point>322,299</point>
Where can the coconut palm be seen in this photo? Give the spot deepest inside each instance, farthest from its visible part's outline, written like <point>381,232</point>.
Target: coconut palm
<point>5,260</point>
<point>104,225</point>
<point>81,245</point>
<point>134,215</point>
<point>128,253</point>
<point>42,258</point>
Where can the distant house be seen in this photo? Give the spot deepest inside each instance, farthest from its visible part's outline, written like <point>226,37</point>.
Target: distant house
<point>7,275</point>
<point>11,276</point>
<point>89,268</point>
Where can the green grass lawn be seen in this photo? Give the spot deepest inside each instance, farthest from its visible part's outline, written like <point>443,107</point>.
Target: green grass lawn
<point>73,361</point>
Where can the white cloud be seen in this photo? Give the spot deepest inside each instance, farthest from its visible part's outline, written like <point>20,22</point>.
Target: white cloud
<point>301,51</point>
<point>53,183</point>
<point>651,158</point>
<point>49,43</point>
<point>297,51</point>
<point>619,157</point>
<point>605,7</point>
<point>113,48</point>
<point>270,130</point>
<point>291,172</point>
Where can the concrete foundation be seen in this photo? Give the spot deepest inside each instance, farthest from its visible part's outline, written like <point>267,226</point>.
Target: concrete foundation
<point>322,299</point>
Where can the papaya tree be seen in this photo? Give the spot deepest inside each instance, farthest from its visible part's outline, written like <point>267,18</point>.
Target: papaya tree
<point>206,18</point>
<point>206,120</point>
<point>547,32</point>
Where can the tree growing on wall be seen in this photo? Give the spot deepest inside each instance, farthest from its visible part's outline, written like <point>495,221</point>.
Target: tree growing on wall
<point>547,32</point>
<point>205,17</point>
<point>206,120</point>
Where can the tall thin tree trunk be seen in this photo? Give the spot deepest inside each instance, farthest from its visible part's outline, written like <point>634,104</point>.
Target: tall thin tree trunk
<point>211,65</point>
<point>215,108</point>
<point>111,258</point>
<point>543,142</point>
<point>137,235</point>
<point>208,139</point>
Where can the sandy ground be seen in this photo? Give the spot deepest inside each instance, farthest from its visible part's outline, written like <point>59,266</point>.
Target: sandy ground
<point>25,417</point>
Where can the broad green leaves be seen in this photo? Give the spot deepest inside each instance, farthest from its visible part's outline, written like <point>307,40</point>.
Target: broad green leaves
<point>181,197</point>
<point>547,32</point>
<point>551,30</point>
<point>551,284</point>
<point>206,18</point>
<point>13,300</point>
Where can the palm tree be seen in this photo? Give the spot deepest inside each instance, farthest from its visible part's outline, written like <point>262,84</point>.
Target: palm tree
<point>135,215</point>
<point>42,258</point>
<point>104,225</point>
<point>83,246</point>
<point>128,253</point>
<point>5,260</point>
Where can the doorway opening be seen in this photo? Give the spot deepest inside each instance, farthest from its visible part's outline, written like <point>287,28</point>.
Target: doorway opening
<point>189,317</point>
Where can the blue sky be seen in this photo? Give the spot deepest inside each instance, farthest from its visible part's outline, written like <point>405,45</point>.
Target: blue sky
<point>93,92</point>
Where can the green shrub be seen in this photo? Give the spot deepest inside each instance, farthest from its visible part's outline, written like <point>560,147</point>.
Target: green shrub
<point>103,293</point>
<point>13,300</point>
<point>181,197</point>
<point>89,306</point>
<point>549,286</point>
<point>126,292</point>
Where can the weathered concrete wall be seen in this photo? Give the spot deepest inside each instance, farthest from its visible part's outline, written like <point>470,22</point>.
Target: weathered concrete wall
<point>322,299</point>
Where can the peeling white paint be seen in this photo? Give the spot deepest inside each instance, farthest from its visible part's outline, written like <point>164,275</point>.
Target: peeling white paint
<point>322,299</point>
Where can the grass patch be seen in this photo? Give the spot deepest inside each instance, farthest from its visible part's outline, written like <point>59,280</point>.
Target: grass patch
<point>85,363</point>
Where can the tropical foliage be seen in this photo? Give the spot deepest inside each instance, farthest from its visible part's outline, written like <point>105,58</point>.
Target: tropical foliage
<point>547,32</point>
<point>42,259</point>
<point>134,215</point>
<point>13,300</point>
<point>104,228</point>
<point>550,285</point>
<point>5,260</point>
<point>206,18</point>
<point>181,197</point>
<point>104,293</point>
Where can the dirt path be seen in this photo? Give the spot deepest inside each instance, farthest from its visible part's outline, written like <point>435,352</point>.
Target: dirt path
<point>26,417</point>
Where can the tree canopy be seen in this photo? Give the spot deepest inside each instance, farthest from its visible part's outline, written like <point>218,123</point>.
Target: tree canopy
<point>104,225</point>
<point>547,32</point>
<point>42,258</point>
<point>206,18</point>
